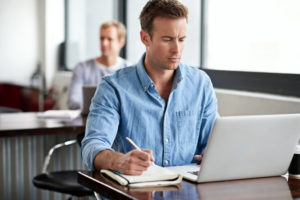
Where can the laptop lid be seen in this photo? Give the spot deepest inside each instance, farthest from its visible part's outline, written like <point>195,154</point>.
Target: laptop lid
<point>88,92</point>
<point>242,147</point>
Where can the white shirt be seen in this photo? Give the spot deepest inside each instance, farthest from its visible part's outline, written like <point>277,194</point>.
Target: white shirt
<point>89,72</point>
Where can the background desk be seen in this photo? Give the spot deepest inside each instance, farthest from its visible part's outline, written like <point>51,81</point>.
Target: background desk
<point>24,143</point>
<point>21,124</point>
<point>263,188</point>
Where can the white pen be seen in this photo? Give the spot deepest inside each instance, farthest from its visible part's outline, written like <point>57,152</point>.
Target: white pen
<point>133,144</point>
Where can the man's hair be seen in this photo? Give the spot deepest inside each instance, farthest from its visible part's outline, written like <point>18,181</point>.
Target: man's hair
<point>161,8</point>
<point>118,25</point>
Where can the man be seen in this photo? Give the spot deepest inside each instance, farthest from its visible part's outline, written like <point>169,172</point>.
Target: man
<point>167,108</point>
<point>90,72</point>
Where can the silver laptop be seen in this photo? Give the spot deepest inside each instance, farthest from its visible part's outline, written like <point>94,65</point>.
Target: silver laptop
<point>88,92</point>
<point>246,147</point>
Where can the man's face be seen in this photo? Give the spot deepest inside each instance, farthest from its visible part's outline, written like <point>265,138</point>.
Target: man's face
<point>165,48</point>
<point>109,42</point>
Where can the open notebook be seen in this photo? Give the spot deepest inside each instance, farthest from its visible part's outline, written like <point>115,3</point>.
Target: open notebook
<point>154,176</point>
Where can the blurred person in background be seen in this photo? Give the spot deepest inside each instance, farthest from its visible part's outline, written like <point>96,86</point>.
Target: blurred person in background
<point>90,72</point>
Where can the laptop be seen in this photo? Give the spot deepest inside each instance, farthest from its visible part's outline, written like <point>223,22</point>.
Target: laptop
<point>88,92</point>
<point>243,147</point>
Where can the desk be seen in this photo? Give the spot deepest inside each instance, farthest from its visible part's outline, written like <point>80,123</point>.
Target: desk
<point>24,142</point>
<point>27,123</point>
<point>261,188</point>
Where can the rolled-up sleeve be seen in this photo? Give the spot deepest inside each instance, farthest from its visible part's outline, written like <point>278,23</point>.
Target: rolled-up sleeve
<point>102,123</point>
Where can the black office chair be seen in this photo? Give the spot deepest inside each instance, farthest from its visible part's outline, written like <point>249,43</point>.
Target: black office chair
<point>62,181</point>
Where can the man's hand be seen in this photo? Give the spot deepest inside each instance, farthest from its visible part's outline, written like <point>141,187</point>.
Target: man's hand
<point>198,158</point>
<point>134,162</point>
<point>131,163</point>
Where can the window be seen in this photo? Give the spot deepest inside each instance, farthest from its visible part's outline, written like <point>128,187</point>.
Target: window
<point>253,35</point>
<point>253,45</point>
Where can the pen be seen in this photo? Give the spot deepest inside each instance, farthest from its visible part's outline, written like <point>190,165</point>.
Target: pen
<point>133,144</point>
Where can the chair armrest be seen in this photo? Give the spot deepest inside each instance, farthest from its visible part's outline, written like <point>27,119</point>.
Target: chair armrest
<point>51,151</point>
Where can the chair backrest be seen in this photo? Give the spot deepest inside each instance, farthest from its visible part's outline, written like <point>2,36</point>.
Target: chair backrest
<point>61,181</point>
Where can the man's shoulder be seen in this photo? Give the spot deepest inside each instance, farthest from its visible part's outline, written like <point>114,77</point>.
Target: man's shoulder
<point>193,72</point>
<point>90,61</point>
<point>123,74</point>
<point>87,64</point>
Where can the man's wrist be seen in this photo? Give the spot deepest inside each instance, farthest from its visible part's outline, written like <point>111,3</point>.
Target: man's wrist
<point>107,159</point>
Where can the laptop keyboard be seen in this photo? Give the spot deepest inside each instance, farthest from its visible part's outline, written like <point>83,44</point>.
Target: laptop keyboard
<point>194,172</point>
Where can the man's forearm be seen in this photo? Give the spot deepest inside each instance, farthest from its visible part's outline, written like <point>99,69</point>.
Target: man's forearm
<point>106,159</point>
<point>133,162</point>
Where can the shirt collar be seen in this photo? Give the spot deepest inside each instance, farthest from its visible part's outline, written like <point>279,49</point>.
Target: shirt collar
<point>146,80</point>
<point>178,76</point>
<point>142,74</point>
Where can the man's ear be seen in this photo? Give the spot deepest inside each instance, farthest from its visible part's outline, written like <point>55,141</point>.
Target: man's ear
<point>145,37</point>
<point>122,43</point>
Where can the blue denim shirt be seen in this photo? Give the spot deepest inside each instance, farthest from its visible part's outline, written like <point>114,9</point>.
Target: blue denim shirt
<point>126,104</point>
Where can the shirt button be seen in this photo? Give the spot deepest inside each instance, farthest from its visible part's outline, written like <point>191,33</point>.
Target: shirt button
<point>166,162</point>
<point>145,88</point>
<point>167,140</point>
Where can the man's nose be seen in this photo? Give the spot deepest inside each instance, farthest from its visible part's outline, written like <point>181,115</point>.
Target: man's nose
<point>104,42</point>
<point>175,46</point>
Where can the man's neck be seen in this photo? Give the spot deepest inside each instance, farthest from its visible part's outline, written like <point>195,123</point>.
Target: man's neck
<point>107,60</point>
<point>163,80</point>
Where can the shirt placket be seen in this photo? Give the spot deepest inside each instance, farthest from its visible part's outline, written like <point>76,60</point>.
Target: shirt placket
<point>166,133</point>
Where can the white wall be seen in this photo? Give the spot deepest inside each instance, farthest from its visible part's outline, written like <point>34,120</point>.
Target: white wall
<point>30,32</point>
<point>19,40</point>
<point>54,35</point>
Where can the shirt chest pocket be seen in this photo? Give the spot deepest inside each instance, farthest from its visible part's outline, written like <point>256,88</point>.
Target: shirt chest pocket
<point>187,125</point>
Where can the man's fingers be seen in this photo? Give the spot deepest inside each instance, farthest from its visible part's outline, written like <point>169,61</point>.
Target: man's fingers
<point>150,153</point>
<point>141,159</point>
<point>142,155</point>
<point>198,157</point>
<point>141,163</point>
<point>136,166</point>
<point>138,161</point>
